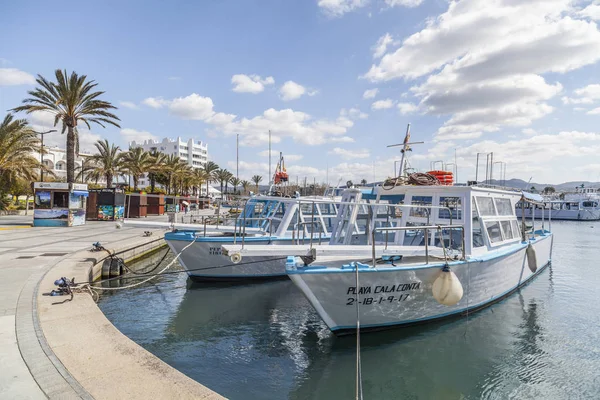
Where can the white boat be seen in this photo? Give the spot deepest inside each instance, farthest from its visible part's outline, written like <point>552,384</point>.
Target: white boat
<point>583,205</point>
<point>264,220</point>
<point>467,237</point>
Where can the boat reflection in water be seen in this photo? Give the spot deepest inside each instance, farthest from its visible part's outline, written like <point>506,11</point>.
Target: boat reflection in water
<point>231,337</point>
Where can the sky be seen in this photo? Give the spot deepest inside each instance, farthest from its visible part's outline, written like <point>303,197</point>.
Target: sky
<point>336,81</point>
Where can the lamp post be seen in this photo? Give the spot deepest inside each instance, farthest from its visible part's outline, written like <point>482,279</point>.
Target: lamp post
<point>42,153</point>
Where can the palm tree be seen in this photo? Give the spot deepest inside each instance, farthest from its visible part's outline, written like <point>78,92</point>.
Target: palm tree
<point>71,100</point>
<point>17,142</point>
<point>136,162</point>
<point>156,167</point>
<point>235,182</point>
<point>107,161</point>
<point>199,177</point>
<point>210,168</point>
<point>222,176</point>
<point>363,182</point>
<point>173,168</point>
<point>245,184</point>
<point>256,179</point>
<point>86,171</point>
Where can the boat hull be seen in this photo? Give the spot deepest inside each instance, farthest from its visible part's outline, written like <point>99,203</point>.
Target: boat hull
<point>563,215</point>
<point>204,261</point>
<point>400,296</point>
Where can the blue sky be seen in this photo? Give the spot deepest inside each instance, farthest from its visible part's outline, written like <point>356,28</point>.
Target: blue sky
<point>516,78</point>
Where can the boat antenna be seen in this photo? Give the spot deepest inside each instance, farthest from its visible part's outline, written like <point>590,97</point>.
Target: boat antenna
<point>405,147</point>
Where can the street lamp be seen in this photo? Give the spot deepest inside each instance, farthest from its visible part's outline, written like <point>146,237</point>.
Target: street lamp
<point>42,153</point>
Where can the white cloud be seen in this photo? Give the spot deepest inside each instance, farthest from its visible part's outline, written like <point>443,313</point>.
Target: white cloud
<point>128,104</point>
<point>381,46</point>
<point>493,78</point>
<point>155,102</point>
<point>370,93</point>
<point>529,131</point>
<point>193,106</point>
<point>337,8</point>
<point>13,76</point>
<point>354,113</point>
<point>250,83</point>
<point>595,111</point>
<point>275,155</point>
<point>585,95</point>
<point>382,104</point>
<point>350,154</point>
<point>300,126</point>
<point>592,11</point>
<point>407,108</point>
<point>342,139</point>
<point>403,3</point>
<point>292,90</point>
<point>130,135</point>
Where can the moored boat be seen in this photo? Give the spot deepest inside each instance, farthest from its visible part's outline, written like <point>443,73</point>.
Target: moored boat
<point>264,220</point>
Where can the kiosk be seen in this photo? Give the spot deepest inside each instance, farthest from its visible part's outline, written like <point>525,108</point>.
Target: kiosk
<point>59,204</point>
<point>108,204</point>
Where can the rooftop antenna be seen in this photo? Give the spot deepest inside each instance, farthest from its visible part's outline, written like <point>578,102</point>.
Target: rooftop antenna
<point>405,147</point>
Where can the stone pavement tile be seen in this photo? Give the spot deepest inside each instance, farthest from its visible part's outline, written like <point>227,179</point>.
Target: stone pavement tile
<point>16,381</point>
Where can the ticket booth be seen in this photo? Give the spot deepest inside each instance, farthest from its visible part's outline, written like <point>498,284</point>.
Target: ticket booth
<point>59,204</point>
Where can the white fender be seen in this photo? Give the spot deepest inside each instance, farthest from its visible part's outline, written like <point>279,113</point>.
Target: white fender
<point>531,258</point>
<point>236,258</point>
<point>447,289</point>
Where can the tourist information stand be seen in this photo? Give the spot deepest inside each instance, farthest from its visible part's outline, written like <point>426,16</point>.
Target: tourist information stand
<point>59,204</point>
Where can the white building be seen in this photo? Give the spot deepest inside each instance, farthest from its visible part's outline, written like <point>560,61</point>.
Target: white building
<point>56,160</point>
<point>195,153</point>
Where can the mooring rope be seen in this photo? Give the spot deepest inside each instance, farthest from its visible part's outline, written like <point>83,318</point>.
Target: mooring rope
<point>359,392</point>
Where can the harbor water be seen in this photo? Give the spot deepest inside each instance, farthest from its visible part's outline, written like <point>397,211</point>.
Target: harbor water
<point>264,341</point>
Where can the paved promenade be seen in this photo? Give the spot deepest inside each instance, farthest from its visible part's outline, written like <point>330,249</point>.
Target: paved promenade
<point>70,350</point>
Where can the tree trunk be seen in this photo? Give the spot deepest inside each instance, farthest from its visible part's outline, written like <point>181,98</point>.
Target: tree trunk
<point>70,155</point>
<point>135,183</point>
<point>109,179</point>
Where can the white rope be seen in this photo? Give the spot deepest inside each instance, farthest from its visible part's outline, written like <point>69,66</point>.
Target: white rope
<point>150,278</point>
<point>359,394</point>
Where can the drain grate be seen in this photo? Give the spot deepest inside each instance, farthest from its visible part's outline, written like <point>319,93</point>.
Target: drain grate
<point>25,257</point>
<point>53,254</point>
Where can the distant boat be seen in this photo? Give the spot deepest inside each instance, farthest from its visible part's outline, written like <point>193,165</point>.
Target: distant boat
<point>583,205</point>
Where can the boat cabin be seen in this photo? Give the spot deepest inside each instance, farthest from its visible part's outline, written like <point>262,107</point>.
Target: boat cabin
<point>486,217</point>
<point>289,217</point>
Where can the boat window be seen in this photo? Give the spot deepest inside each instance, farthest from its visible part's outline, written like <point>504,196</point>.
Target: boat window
<point>516,228</point>
<point>503,207</point>
<point>455,206</point>
<point>508,232</point>
<point>476,227</point>
<point>486,206</point>
<point>493,229</point>
<point>425,201</point>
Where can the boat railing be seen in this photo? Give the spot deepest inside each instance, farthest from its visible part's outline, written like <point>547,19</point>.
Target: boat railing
<point>303,224</point>
<point>426,229</point>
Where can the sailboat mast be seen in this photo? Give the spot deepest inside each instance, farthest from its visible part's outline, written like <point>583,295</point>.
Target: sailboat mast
<point>405,148</point>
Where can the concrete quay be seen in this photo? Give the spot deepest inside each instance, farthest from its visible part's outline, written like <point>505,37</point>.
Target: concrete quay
<point>71,350</point>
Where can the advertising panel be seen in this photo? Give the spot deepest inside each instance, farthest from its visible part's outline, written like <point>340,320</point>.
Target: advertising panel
<point>105,213</point>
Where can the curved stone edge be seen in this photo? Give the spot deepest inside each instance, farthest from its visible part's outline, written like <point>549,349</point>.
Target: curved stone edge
<point>48,372</point>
